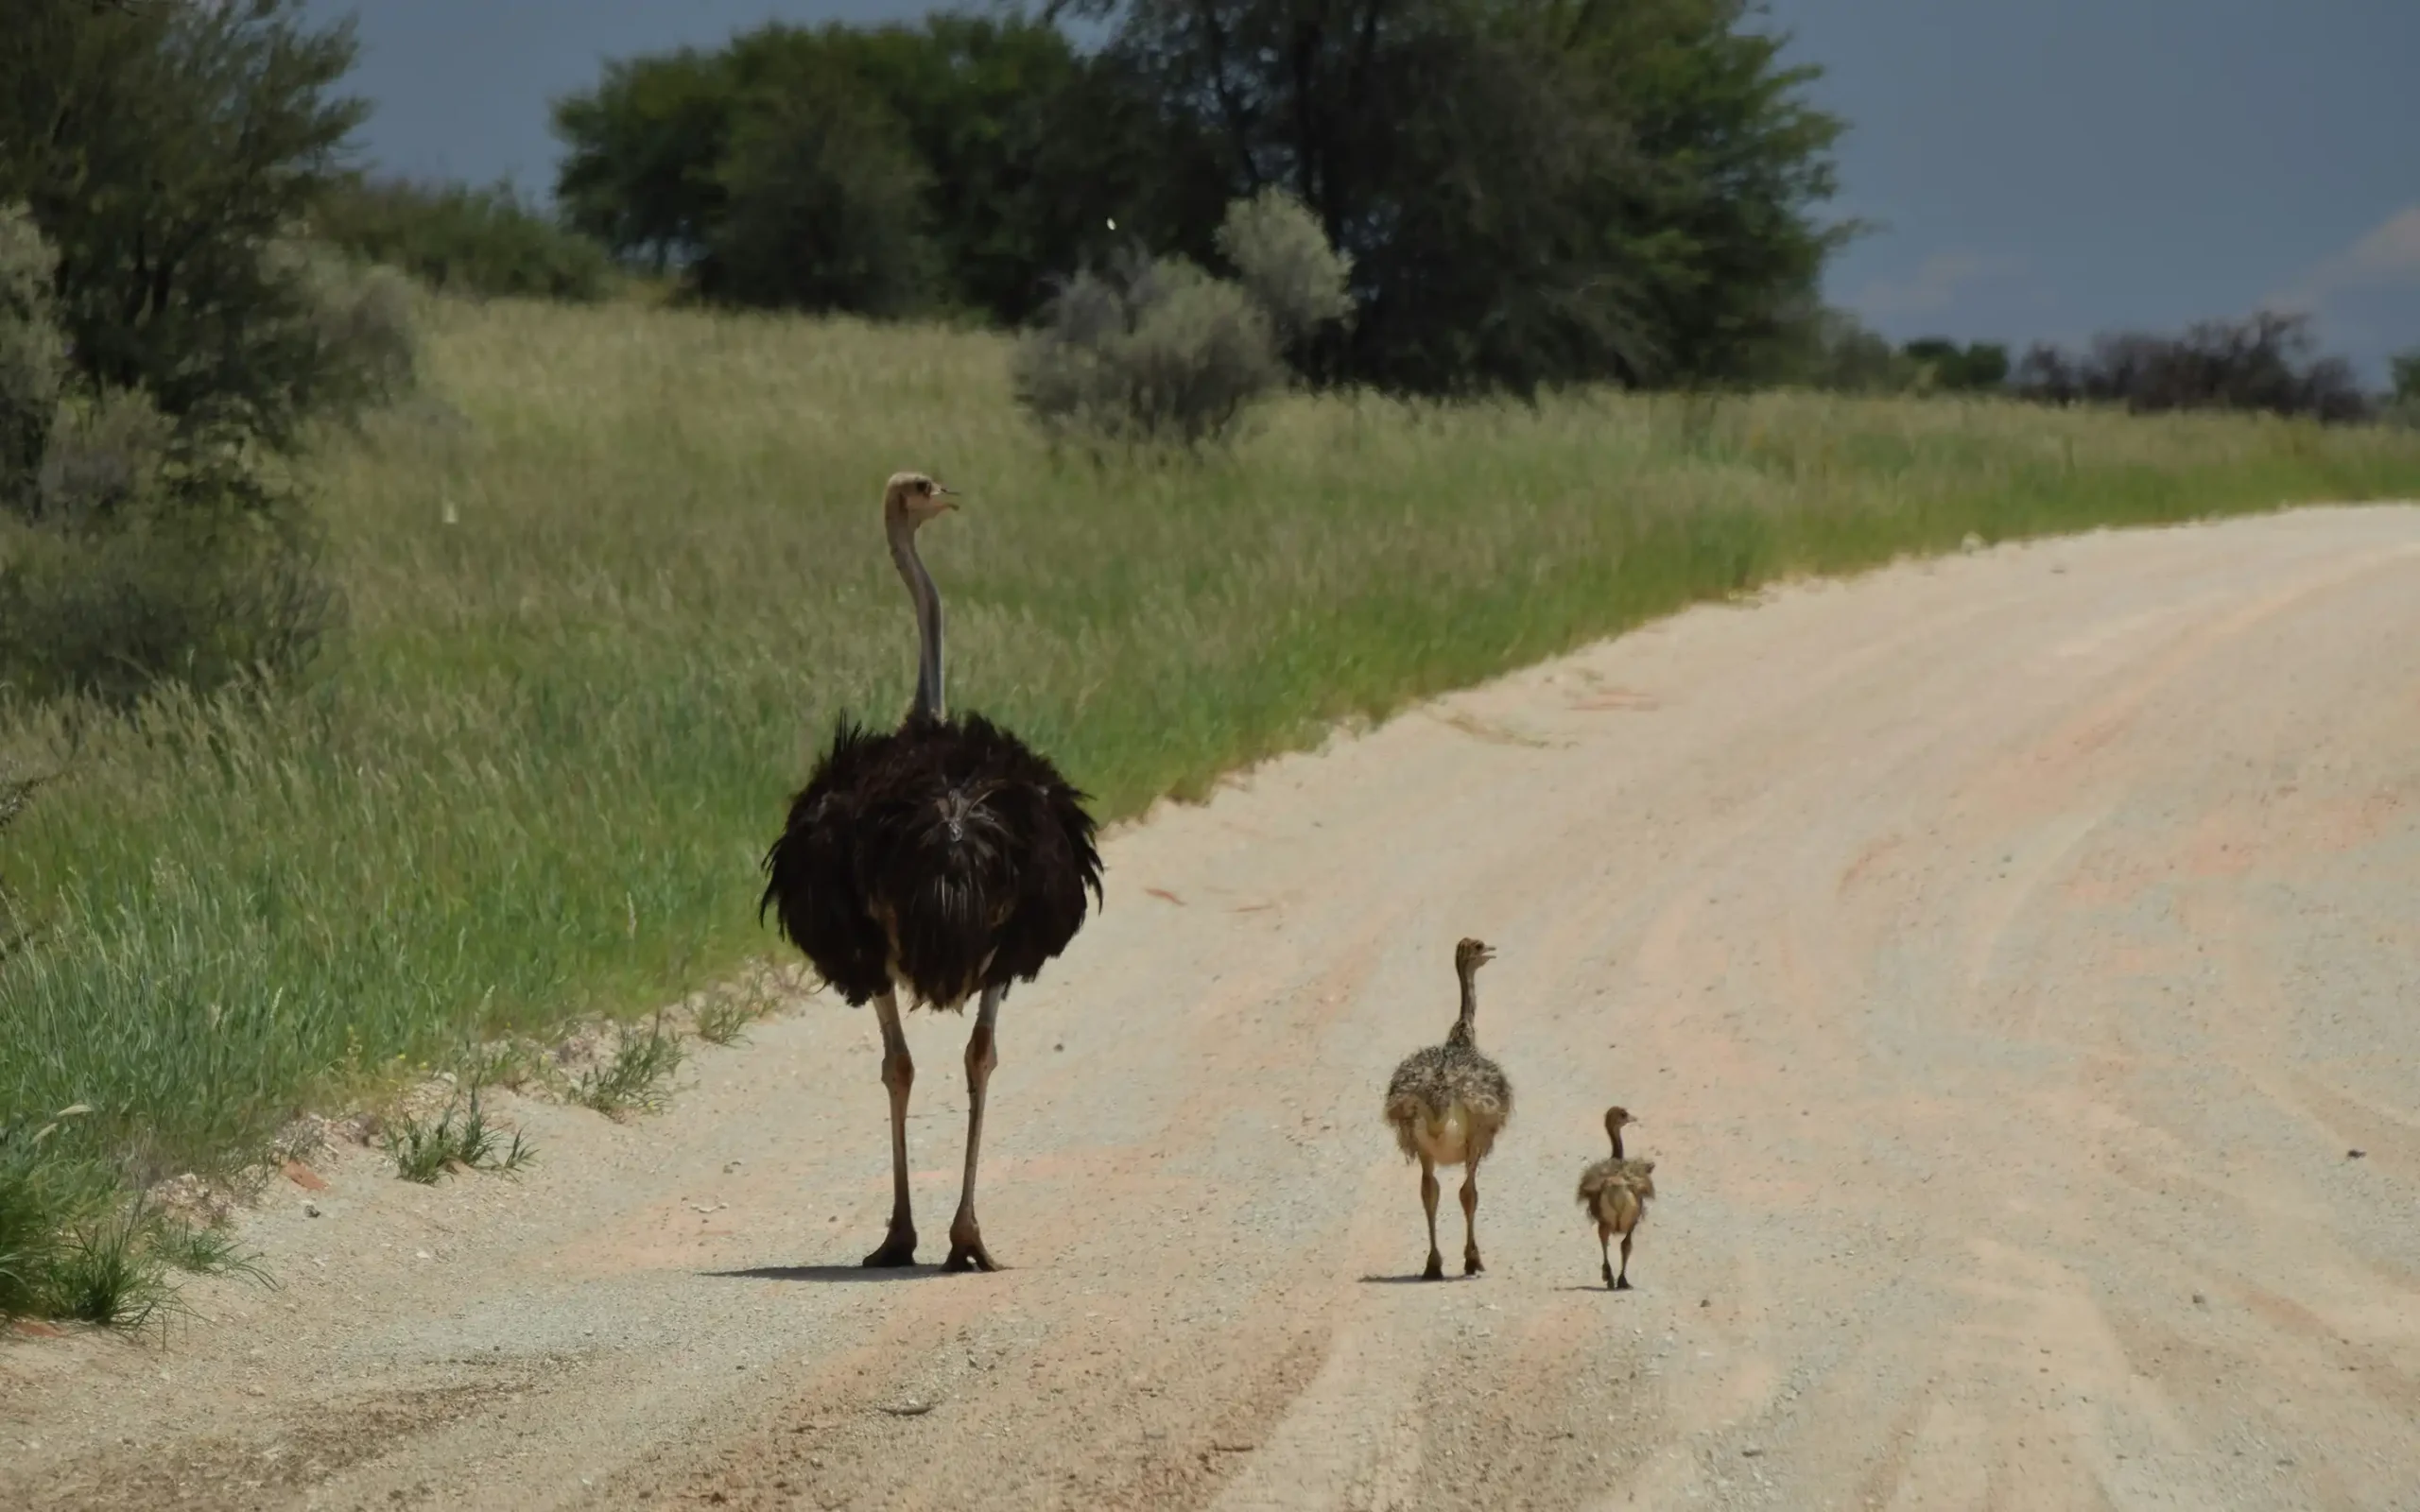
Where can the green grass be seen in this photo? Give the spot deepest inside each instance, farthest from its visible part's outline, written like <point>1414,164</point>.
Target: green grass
<point>72,1247</point>
<point>632,1079</point>
<point>614,575</point>
<point>461,1135</point>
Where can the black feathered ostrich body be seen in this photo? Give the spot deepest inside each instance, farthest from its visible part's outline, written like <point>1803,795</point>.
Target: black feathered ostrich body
<point>945,860</point>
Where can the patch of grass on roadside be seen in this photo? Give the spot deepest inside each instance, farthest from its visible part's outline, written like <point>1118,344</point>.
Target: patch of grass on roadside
<point>632,1079</point>
<point>458,1138</point>
<point>74,1245</point>
<point>614,575</point>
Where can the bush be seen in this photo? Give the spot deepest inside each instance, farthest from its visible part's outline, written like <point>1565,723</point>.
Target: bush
<point>1283,260</point>
<point>139,567</point>
<point>2264,362</point>
<point>158,595</point>
<point>133,550</point>
<point>355,323</point>
<point>463,240</point>
<point>1153,350</point>
<point>1156,350</point>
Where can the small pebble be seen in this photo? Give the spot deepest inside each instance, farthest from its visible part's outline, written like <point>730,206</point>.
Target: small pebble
<point>310,1210</point>
<point>2354,1155</point>
<point>2199,1299</point>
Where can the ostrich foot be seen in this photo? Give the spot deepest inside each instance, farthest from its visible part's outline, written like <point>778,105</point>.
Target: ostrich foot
<point>966,1251</point>
<point>1436,1271</point>
<point>1471,1266</point>
<point>898,1248</point>
<point>1621,1283</point>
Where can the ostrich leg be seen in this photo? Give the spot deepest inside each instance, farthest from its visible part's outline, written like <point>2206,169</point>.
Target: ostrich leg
<point>1436,1270</point>
<point>898,1075</point>
<point>966,1250</point>
<point>1471,1266</point>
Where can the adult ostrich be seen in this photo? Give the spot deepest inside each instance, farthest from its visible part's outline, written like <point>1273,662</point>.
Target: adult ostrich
<point>945,860</point>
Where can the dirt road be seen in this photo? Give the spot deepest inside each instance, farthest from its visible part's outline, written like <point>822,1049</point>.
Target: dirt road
<point>2012,960</point>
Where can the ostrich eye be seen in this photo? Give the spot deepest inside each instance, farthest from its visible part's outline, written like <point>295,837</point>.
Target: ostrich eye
<point>922,486</point>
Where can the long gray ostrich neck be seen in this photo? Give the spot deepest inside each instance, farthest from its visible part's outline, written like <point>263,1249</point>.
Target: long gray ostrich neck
<point>1616,1133</point>
<point>1466,1026</point>
<point>928,614</point>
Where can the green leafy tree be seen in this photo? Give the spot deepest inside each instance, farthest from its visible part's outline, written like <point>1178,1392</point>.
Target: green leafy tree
<point>165,150</point>
<point>161,329</point>
<point>644,150</point>
<point>1021,152</point>
<point>824,206</point>
<point>1531,191</point>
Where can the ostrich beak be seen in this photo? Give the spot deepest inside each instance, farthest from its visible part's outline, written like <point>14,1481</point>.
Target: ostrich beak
<point>945,496</point>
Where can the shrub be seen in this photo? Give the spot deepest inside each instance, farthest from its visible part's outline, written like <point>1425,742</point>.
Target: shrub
<point>1156,350</point>
<point>141,557</point>
<point>357,324</point>
<point>135,549</point>
<point>463,240</point>
<point>1283,260</point>
<point>1152,351</point>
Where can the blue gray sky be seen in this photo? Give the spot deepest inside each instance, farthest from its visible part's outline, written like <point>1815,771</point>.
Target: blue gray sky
<point>2041,168</point>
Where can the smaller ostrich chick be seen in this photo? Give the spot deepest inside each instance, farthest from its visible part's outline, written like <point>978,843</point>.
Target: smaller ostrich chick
<point>1616,1193</point>
<point>1446,1104</point>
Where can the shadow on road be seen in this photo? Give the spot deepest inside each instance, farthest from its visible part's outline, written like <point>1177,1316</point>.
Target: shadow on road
<point>826,1273</point>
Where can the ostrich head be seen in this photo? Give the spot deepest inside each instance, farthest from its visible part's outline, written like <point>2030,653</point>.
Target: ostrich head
<point>1615,1118</point>
<point>912,498</point>
<point>1470,955</point>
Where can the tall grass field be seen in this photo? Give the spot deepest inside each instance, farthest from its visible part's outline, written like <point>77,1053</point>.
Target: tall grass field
<point>615,570</point>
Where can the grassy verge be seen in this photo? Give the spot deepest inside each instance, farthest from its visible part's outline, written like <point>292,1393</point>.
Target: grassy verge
<point>613,577</point>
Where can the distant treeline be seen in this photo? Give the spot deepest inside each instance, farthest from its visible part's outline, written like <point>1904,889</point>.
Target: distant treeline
<point>2266,362</point>
<point>1528,191</point>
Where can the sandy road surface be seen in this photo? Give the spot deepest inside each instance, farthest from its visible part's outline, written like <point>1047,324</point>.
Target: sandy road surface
<point>2003,955</point>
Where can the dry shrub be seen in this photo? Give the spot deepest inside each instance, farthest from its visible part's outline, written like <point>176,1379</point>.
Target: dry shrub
<point>1153,350</point>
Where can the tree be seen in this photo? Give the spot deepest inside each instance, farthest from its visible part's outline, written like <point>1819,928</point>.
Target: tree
<point>2266,362</point>
<point>1531,191</point>
<point>1021,152</point>
<point>824,207</point>
<point>164,150</point>
<point>160,328</point>
<point>643,150</point>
